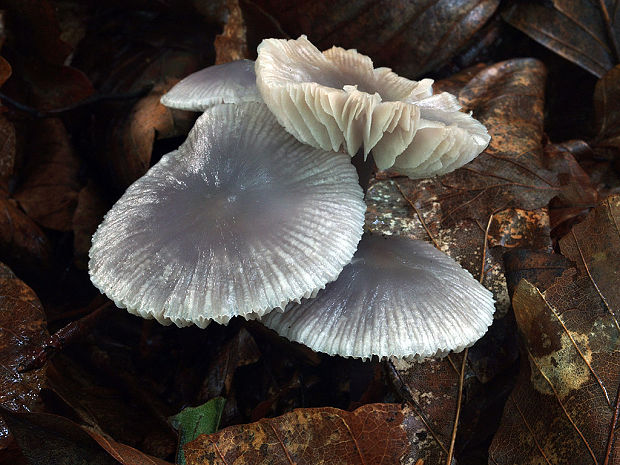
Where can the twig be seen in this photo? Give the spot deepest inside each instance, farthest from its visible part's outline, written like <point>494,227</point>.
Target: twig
<point>459,401</point>
<point>408,396</point>
<point>417,212</point>
<point>63,337</point>
<point>87,101</point>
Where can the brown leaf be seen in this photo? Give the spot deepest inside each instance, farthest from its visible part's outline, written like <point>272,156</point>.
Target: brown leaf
<point>565,406</point>
<point>7,151</point>
<point>5,70</point>
<point>411,37</point>
<point>584,32</point>
<point>144,56</point>
<point>231,44</point>
<point>372,434</point>
<point>22,329</point>
<point>22,243</point>
<point>89,212</point>
<point>105,407</point>
<point>607,110</point>
<point>494,204</point>
<point>47,439</point>
<point>50,186</point>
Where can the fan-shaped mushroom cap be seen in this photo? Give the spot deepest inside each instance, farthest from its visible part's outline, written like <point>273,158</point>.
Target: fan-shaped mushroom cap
<point>336,99</point>
<point>232,82</point>
<point>241,219</point>
<point>397,297</point>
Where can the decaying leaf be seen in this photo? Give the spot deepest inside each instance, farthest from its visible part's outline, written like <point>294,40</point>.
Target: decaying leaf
<point>22,329</point>
<point>371,435</point>
<point>565,406</point>
<point>49,190</point>
<point>22,243</point>
<point>231,44</point>
<point>88,214</point>
<point>583,31</point>
<point>410,37</point>
<point>46,439</point>
<point>494,204</point>
<point>607,108</point>
<point>144,62</point>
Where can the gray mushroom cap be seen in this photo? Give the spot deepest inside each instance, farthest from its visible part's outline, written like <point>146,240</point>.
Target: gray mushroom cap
<point>241,219</point>
<point>397,297</point>
<point>337,100</point>
<point>231,82</point>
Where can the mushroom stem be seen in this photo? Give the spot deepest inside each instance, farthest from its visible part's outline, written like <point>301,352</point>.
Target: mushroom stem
<point>365,169</point>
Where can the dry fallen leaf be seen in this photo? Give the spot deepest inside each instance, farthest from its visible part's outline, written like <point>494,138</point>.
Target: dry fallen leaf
<point>413,38</point>
<point>22,329</point>
<point>88,214</point>
<point>565,406</point>
<point>23,245</point>
<point>48,191</point>
<point>46,439</point>
<point>584,32</point>
<point>371,435</point>
<point>475,214</point>
<point>607,110</point>
<point>231,44</point>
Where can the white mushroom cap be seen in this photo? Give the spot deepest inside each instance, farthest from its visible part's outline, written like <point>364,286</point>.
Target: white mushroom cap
<point>336,99</point>
<point>231,82</point>
<point>241,219</point>
<point>397,297</point>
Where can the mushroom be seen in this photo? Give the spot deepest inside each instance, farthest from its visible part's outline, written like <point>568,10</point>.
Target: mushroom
<point>336,100</point>
<point>397,297</point>
<point>240,219</point>
<point>231,82</point>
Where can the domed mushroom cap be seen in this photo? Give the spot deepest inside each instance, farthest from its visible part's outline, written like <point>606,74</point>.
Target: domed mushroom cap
<point>231,82</point>
<point>241,219</point>
<point>397,297</point>
<point>336,99</point>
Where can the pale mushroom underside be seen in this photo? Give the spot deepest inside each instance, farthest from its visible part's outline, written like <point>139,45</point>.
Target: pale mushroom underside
<point>397,297</point>
<point>336,100</point>
<point>232,82</point>
<point>241,219</point>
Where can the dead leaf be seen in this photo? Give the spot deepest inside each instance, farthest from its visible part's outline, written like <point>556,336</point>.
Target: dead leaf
<point>534,265</point>
<point>89,212</point>
<point>372,434</point>
<point>104,408</point>
<point>564,408</point>
<point>47,439</point>
<point>22,329</point>
<point>5,70</point>
<point>607,110</point>
<point>145,55</point>
<point>49,189</point>
<point>584,32</point>
<point>22,243</point>
<point>494,204</point>
<point>231,44</point>
<point>413,38</point>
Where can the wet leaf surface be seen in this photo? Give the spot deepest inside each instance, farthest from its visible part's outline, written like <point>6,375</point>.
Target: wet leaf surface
<point>22,328</point>
<point>373,434</point>
<point>585,32</point>
<point>410,37</point>
<point>570,373</point>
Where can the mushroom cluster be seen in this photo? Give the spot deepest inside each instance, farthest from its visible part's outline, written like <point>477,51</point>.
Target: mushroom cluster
<point>259,212</point>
